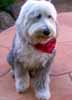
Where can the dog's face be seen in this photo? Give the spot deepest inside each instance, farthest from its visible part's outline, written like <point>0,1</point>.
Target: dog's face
<point>37,21</point>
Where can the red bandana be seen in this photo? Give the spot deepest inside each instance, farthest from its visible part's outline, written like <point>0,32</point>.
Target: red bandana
<point>47,47</point>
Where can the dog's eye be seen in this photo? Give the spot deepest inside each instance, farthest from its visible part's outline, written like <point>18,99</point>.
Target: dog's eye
<point>39,16</point>
<point>49,16</point>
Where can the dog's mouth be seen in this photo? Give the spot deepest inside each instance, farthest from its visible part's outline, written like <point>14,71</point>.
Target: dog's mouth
<point>43,43</point>
<point>40,38</point>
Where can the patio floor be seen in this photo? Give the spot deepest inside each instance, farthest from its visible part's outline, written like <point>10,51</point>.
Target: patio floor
<point>61,84</point>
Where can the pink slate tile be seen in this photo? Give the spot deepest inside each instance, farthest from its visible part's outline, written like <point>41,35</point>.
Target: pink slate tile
<point>61,86</point>
<point>6,37</point>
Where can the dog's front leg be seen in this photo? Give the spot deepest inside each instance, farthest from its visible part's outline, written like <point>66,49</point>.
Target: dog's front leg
<point>41,84</point>
<point>21,78</point>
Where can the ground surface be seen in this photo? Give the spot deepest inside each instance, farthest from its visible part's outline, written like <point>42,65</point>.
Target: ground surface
<point>61,86</point>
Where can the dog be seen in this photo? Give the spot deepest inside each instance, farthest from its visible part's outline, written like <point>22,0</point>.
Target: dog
<point>34,47</point>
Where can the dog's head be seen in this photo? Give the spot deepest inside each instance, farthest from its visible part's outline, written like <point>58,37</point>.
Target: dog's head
<point>37,21</point>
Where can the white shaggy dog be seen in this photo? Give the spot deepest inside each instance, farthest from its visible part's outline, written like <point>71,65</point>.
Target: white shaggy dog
<point>33,47</point>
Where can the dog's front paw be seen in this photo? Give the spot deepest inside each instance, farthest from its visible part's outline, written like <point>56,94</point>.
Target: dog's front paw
<point>21,85</point>
<point>43,95</point>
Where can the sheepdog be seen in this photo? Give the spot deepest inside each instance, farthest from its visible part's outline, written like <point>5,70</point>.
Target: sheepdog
<point>34,47</point>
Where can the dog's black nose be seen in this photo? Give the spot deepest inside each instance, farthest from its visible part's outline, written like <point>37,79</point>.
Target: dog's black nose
<point>46,31</point>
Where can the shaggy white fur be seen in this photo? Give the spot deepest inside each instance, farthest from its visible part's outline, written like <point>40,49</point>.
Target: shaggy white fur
<point>36,24</point>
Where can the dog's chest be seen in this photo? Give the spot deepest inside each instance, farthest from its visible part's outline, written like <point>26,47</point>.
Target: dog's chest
<point>31,57</point>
